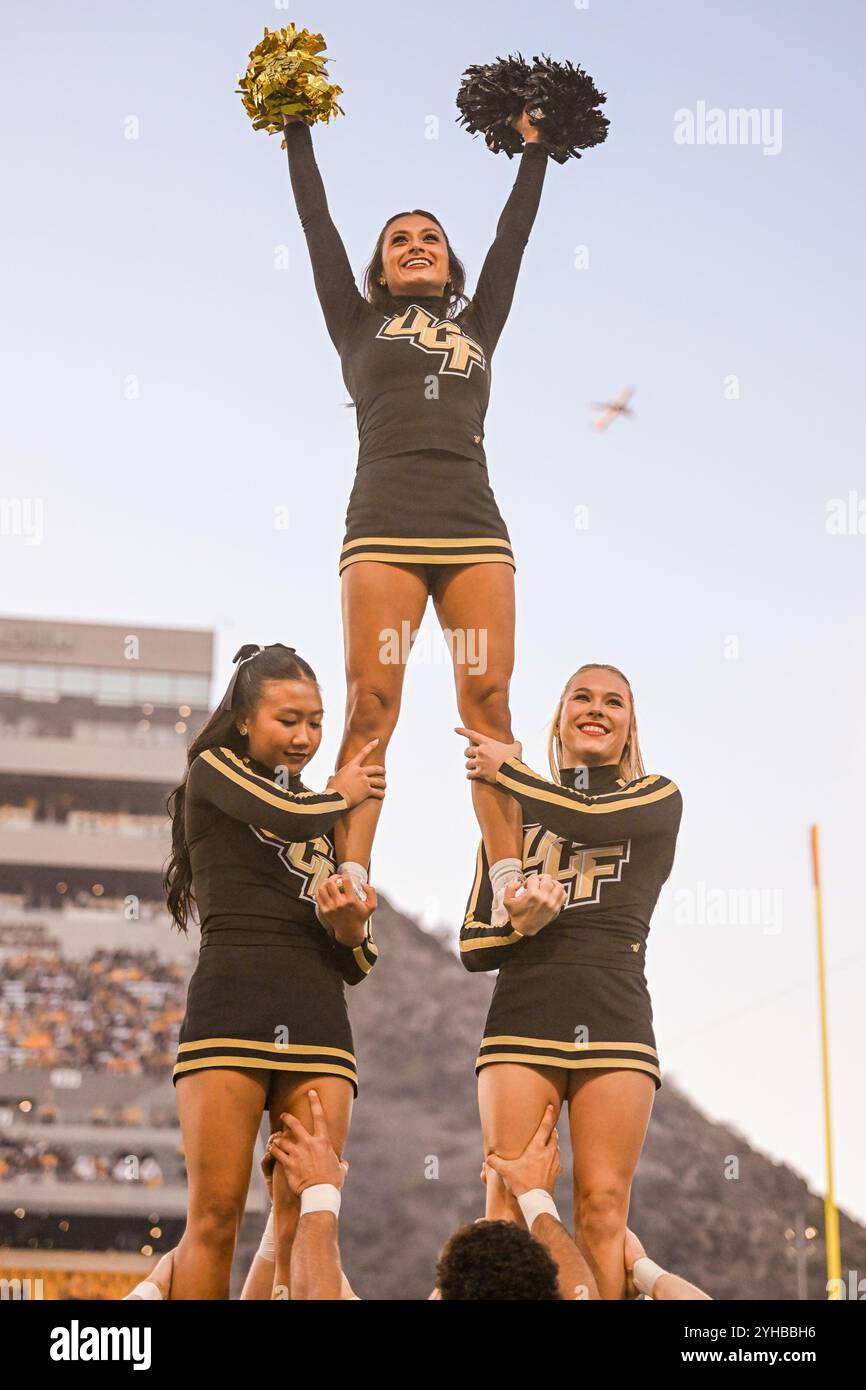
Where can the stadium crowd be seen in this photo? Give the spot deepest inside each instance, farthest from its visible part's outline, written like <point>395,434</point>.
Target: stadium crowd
<point>37,1158</point>
<point>115,1010</point>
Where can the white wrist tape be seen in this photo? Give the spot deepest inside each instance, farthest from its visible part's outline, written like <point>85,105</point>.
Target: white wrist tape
<point>645,1274</point>
<point>267,1249</point>
<point>357,875</point>
<point>145,1290</point>
<point>321,1196</point>
<point>534,1202</point>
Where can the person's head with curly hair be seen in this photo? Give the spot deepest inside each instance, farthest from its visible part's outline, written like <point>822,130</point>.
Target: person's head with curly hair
<point>495,1260</point>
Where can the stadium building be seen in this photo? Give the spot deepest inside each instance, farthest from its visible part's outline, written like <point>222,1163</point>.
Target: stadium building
<point>95,721</point>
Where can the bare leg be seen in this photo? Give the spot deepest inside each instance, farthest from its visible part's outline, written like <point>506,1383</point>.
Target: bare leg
<point>220,1112</point>
<point>512,1097</point>
<point>609,1113</point>
<point>289,1093</point>
<point>381,603</point>
<point>475,604</point>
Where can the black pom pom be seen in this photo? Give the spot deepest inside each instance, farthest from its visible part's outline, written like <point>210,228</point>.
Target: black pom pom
<point>561,99</point>
<point>490,96</point>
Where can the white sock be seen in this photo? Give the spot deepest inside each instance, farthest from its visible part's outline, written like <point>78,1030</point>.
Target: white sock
<point>358,875</point>
<point>144,1290</point>
<point>503,872</point>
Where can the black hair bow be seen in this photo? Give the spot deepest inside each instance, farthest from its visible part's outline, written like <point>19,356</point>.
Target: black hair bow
<point>242,655</point>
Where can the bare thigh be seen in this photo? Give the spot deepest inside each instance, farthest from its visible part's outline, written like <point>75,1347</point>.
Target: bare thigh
<point>512,1097</point>
<point>289,1093</point>
<point>220,1111</point>
<point>475,605</point>
<point>382,607</point>
<point>609,1113</point>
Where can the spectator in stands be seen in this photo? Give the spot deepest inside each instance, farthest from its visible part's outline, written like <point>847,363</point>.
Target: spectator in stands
<point>114,1010</point>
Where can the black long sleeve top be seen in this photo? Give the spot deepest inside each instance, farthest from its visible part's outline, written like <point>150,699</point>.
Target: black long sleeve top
<point>258,852</point>
<point>387,358</point>
<point>611,846</point>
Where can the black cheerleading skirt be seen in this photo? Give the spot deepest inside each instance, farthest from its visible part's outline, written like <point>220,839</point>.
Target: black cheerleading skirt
<point>430,507</point>
<point>571,1014</point>
<point>274,1008</point>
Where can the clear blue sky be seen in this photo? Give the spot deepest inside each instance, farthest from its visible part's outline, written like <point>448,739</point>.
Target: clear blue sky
<point>155,258</point>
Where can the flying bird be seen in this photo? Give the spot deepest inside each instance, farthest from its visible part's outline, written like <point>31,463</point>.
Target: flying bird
<point>611,409</point>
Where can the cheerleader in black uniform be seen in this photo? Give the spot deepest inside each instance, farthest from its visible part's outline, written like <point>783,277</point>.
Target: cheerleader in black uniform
<point>266,1012</point>
<point>422,517</point>
<point>571,1017</point>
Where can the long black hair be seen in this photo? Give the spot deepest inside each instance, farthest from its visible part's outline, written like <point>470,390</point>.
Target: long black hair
<point>380,296</point>
<point>275,663</point>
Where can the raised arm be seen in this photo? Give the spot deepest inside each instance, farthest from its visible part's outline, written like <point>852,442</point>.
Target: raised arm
<point>311,1165</point>
<point>316,1271</point>
<point>220,777</point>
<point>339,296</point>
<point>498,278</point>
<point>576,1279</point>
<point>645,1276</point>
<point>649,806</point>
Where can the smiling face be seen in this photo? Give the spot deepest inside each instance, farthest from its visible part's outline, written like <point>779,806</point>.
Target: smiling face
<point>595,717</point>
<point>414,256</point>
<point>285,730</point>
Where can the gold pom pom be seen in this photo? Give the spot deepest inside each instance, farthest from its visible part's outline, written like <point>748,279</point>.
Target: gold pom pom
<point>287,76</point>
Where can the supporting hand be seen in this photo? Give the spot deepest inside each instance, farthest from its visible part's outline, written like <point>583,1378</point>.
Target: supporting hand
<point>523,125</point>
<point>539,1164</point>
<point>341,910</point>
<point>355,782</point>
<point>307,1159</point>
<point>485,756</point>
<point>532,904</point>
<point>632,1252</point>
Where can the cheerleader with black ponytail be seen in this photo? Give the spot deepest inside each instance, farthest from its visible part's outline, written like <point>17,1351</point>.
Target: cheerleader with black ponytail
<point>266,1018</point>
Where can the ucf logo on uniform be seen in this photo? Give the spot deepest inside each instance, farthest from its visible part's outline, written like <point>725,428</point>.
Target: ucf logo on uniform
<point>580,869</point>
<point>459,352</point>
<point>312,861</point>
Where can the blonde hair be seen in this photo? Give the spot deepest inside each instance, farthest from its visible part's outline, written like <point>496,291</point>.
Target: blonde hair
<point>631,762</point>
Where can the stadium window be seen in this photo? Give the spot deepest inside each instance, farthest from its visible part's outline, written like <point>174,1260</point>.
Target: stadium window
<point>77,680</point>
<point>155,687</point>
<point>194,691</point>
<point>115,687</point>
<point>40,683</point>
